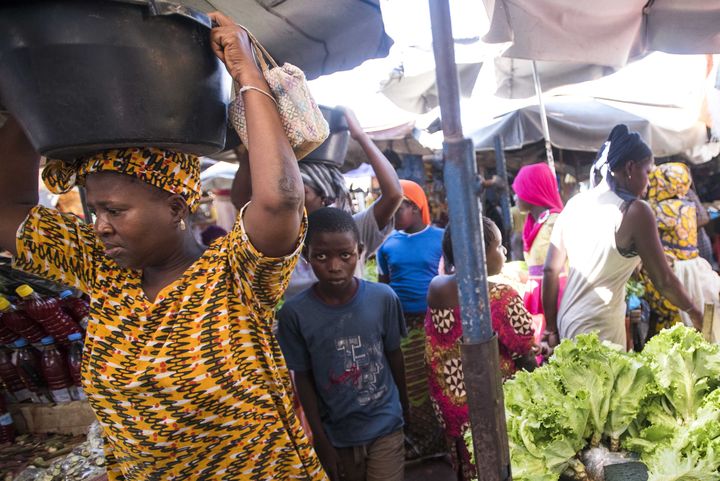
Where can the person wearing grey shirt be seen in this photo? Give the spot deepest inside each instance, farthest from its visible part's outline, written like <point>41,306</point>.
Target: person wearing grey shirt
<point>325,186</point>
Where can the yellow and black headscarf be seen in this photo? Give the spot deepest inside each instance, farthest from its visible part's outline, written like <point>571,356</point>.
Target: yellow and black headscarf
<point>170,171</point>
<point>671,180</point>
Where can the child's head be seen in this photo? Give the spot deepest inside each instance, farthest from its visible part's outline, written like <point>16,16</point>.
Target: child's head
<point>414,210</point>
<point>494,250</point>
<point>332,246</point>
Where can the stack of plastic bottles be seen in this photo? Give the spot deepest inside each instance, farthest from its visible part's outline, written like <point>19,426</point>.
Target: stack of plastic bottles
<point>41,344</point>
<point>48,312</point>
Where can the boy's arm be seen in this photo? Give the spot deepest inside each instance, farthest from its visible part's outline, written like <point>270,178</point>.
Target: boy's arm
<point>397,367</point>
<point>391,194</point>
<point>329,458</point>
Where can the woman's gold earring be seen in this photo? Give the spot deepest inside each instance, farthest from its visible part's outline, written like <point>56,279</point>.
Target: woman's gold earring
<point>182,224</point>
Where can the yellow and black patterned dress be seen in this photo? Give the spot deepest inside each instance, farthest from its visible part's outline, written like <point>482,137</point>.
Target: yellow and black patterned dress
<point>190,386</point>
<point>676,218</point>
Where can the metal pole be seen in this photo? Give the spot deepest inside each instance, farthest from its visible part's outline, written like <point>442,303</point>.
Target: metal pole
<point>480,349</point>
<point>501,171</point>
<point>543,117</point>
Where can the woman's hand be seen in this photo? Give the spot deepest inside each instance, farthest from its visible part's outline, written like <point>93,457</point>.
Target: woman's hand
<point>550,339</point>
<point>495,182</point>
<point>356,130</point>
<point>696,315</point>
<point>232,45</point>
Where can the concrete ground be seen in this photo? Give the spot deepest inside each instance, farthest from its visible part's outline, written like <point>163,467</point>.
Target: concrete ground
<point>437,469</point>
<point>430,470</point>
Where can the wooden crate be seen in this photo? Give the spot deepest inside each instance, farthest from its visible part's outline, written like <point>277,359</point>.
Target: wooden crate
<point>73,418</point>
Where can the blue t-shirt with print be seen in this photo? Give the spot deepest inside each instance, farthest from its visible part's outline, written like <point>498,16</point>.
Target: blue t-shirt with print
<point>344,347</point>
<point>411,261</point>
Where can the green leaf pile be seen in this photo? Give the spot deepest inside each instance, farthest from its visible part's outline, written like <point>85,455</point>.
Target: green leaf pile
<point>678,430</point>
<point>663,404</point>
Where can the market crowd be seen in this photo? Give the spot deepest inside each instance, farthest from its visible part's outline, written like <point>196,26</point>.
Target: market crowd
<point>194,370</point>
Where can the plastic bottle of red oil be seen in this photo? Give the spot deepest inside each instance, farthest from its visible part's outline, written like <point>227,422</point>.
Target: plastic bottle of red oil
<point>74,359</point>
<point>54,369</point>
<point>48,313</point>
<point>26,360</point>
<point>77,307</point>
<point>17,321</point>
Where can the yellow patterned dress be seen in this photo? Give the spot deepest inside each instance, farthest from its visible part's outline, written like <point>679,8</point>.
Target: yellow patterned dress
<point>190,386</point>
<point>676,218</point>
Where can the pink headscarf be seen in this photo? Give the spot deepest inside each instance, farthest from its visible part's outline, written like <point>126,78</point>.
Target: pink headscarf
<point>536,185</point>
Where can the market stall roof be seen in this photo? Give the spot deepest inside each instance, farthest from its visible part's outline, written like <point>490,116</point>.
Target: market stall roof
<point>401,139</point>
<point>418,92</point>
<point>610,33</point>
<point>411,84</point>
<point>319,36</point>
<point>583,124</point>
<point>514,78</point>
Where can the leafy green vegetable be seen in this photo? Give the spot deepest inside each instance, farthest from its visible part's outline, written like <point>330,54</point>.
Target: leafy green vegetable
<point>667,464</point>
<point>663,404</point>
<point>526,467</point>
<point>546,426</point>
<point>586,371</point>
<point>677,430</point>
<point>685,367</point>
<point>633,383</point>
<point>692,451</point>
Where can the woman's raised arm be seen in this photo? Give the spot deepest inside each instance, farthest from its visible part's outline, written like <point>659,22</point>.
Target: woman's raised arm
<point>272,220</point>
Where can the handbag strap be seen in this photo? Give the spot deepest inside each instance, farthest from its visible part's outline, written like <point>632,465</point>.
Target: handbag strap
<point>263,56</point>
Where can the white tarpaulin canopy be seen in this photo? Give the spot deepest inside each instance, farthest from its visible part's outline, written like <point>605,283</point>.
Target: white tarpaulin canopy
<point>608,33</point>
<point>418,92</point>
<point>583,124</point>
<point>411,84</point>
<point>514,78</point>
<point>319,36</point>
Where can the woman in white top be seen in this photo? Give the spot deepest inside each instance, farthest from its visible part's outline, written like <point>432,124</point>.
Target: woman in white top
<point>603,234</point>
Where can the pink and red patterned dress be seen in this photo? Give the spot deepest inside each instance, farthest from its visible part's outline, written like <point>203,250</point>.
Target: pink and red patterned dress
<point>443,329</point>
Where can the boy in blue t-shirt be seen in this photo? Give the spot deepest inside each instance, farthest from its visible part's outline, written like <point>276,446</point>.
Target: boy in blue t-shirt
<point>341,337</point>
<point>410,257</point>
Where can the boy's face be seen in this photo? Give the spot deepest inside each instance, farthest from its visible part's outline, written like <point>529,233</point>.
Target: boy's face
<point>406,215</point>
<point>333,257</point>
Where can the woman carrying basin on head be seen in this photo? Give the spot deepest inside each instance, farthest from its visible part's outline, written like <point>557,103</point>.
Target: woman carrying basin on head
<point>180,366</point>
<point>603,234</point>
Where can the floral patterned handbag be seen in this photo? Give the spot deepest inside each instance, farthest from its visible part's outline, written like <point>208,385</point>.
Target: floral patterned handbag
<point>304,124</point>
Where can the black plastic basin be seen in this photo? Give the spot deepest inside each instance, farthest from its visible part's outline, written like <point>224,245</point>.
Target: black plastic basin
<point>88,75</point>
<point>335,147</point>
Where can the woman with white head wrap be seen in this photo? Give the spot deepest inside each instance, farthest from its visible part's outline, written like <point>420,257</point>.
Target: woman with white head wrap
<point>602,235</point>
